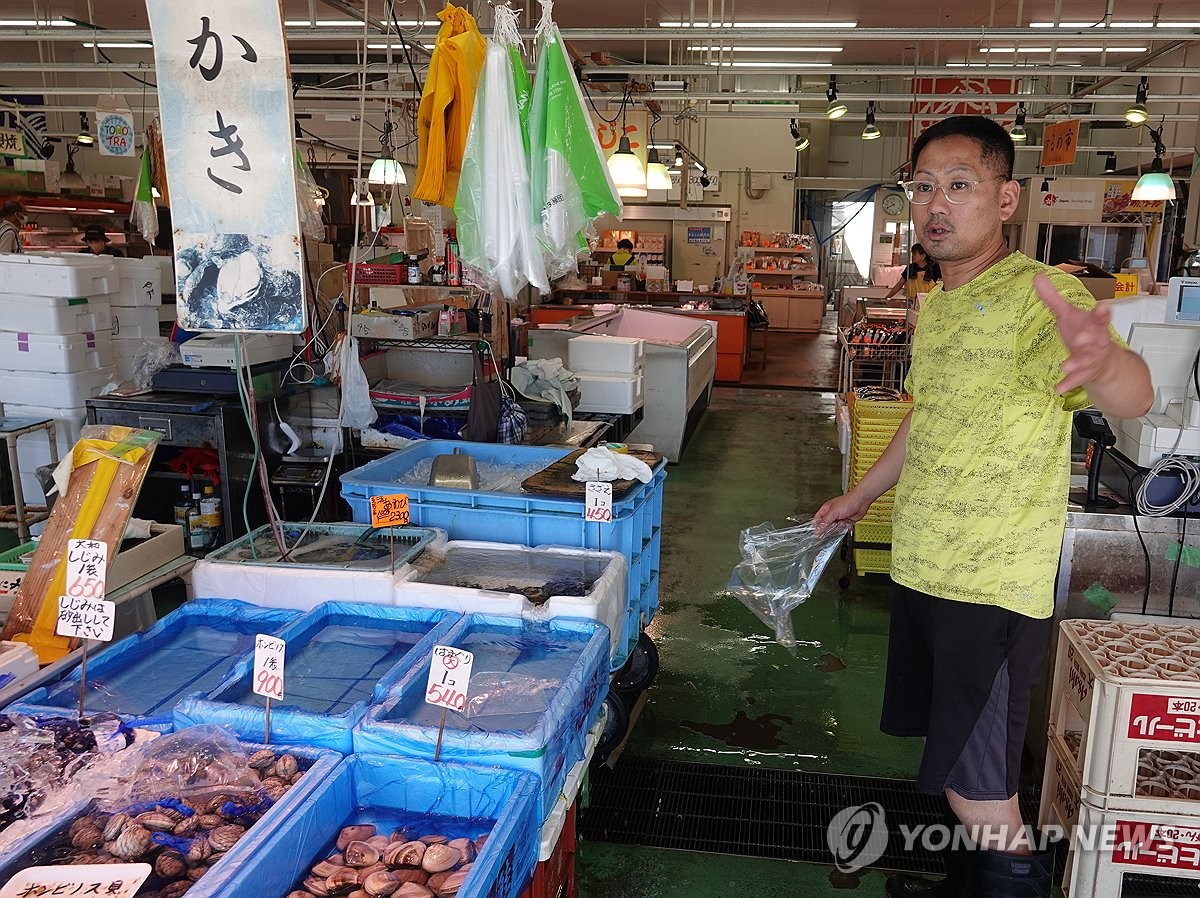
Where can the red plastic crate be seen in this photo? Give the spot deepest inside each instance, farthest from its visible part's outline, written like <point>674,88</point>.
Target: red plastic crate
<point>555,876</point>
<point>362,273</point>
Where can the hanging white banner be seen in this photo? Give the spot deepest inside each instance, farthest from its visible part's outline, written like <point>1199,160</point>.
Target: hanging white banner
<point>115,134</point>
<point>226,106</point>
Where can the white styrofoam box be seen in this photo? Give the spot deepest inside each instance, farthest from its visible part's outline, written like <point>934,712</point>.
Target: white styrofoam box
<point>28,351</point>
<point>1061,789</point>
<point>33,451</point>
<point>141,283</point>
<point>53,315</point>
<point>166,272</point>
<point>557,818</point>
<point>17,660</point>
<point>47,389</point>
<point>605,355</point>
<point>606,602</point>
<point>67,422</point>
<point>31,487</point>
<point>614,394</point>
<point>134,323</point>
<point>65,275</point>
<point>324,433</point>
<point>1114,843</point>
<point>1121,689</point>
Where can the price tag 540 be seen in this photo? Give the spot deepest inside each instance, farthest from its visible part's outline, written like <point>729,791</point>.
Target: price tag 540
<point>597,505</point>
<point>268,666</point>
<point>449,677</point>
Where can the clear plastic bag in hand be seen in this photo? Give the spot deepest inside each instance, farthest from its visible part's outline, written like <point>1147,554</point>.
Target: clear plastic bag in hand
<point>779,571</point>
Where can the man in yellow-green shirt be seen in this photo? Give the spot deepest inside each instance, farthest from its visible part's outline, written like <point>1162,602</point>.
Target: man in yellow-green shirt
<point>1004,351</point>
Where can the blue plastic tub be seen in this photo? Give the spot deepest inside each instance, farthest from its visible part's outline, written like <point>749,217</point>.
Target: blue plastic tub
<point>558,673</point>
<point>142,677</point>
<point>454,800</point>
<point>240,858</point>
<point>522,518</point>
<point>341,657</point>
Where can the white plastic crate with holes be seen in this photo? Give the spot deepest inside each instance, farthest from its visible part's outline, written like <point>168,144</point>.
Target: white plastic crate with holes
<point>1121,689</point>
<point>1110,844</point>
<point>1061,789</point>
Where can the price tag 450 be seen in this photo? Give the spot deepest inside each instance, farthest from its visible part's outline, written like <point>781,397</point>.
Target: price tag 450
<point>597,505</point>
<point>449,677</point>
<point>268,666</point>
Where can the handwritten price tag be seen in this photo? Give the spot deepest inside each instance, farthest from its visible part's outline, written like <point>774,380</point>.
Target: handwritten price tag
<point>87,568</point>
<point>85,618</point>
<point>597,503</point>
<point>109,880</point>
<point>389,511</point>
<point>268,666</point>
<point>449,677</point>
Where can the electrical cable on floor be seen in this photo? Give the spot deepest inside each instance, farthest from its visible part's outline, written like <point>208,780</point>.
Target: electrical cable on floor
<point>1138,530</point>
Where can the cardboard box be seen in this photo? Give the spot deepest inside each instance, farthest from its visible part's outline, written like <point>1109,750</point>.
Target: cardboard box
<point>164,546</point>
<point>1098,282</point>
<point>318,252</point>
<point>408,324</point>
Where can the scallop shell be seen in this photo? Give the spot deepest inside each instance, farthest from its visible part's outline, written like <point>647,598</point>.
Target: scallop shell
<point>361,854</point>
<point>114,825</point>
<point>440,857</point>
<point>325,869</point>
<point>451,884</point>
<point>355,833</point>
<point>404,854</point>
<point>87,836</point>
<point>412,874</point>
<point>342,881</point>
<point>132,843</point>
<point>286,766</point>
<point>170,864</point>
<point>225,837</point>
<point>262,759</point>
<point>364,872</point>
<point>436,880</point>
<point>412,890</point>
<point>465,847</point>
<point>381,884</point>
<point>380,841</point>
<point>156,821</point>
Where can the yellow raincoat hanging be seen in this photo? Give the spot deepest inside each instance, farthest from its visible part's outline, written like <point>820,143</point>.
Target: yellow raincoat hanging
<point>444,116</point>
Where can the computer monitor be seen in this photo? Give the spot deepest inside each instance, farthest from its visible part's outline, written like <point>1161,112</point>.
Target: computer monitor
<point>1183,301</point>
<point>1170,352</point>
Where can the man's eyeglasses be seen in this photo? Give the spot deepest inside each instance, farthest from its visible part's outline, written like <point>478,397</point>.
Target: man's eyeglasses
<point>958,191</point>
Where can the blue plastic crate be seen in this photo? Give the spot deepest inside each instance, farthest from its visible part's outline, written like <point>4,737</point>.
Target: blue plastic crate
<point>341,657</point>
<point>241,857</point>
<point>520,518</point>
<point>142,677</point>
<point>562,665</point>
<point>455,800</point>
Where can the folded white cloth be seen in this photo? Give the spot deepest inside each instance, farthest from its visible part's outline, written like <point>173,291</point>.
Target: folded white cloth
<point>602,463</point>
<point>539,379</point>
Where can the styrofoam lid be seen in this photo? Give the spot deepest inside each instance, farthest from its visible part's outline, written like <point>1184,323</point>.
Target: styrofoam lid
<point>97,266</point>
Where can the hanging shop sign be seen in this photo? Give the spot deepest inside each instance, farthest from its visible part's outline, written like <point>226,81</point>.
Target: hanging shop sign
<point>1079,200</point>
<point>961,96</point>
<point>1060,142</point>
<point>115,134</point>
<point>226,106</point>
<point>1119,202</point>
<point>634,124</point>
<point>12,143</point>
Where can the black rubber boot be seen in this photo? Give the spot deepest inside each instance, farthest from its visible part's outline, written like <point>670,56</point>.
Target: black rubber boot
<point>952,885</point>
<point>993,874</point>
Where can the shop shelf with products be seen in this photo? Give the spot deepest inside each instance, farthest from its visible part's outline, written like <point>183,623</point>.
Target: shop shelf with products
<point>784,279</point>
<point>647,245</point>
<point>874,354</point>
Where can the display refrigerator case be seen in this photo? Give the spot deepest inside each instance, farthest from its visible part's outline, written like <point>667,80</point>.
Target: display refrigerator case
<point>680,364</point>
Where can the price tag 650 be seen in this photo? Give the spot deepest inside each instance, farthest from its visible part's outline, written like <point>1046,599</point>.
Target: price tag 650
<point>87,568</point>
<point>268,666</point>
<point>449,677</point>
<point>597,505</point>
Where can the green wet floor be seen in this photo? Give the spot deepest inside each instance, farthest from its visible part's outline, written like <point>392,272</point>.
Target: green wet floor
<point>727,692</point>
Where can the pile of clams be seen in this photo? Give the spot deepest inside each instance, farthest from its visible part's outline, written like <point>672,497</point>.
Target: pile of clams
<point>404,864</point>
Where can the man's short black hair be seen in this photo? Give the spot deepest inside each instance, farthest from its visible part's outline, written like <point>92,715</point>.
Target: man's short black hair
<point>997,146</point>
<point>12,207</point>
<point>625,245</point>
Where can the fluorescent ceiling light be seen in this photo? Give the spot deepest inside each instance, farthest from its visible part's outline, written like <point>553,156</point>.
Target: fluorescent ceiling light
<point>120,45</point>
<point>1063,49</point>
<point>349,23</point>
<point>758,25</point>
<point>1079,25</point>
<point>773,65</point>
<point>773,49</point>
<point>396,46</point>
<point>1009,65</point>
<point>34,23</point>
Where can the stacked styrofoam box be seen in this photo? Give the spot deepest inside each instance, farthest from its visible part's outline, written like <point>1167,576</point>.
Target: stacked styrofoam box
<point>609,371</point>
<point>1125,720</point>
<point>55,346</point>
<point>135,309</point>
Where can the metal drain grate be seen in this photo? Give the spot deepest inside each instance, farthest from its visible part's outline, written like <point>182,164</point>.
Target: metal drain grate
<point>780,814</point>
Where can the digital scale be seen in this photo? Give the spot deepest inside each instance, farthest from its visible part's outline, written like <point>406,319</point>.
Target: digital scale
<point>216,350</point>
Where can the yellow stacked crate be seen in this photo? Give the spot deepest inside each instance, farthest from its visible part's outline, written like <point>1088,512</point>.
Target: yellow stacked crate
<point>873,423</point>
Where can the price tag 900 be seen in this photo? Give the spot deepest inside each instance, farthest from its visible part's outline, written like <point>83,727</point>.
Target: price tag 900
<point>597,502</point>
<point>449,677</point>
<point>268,666</point>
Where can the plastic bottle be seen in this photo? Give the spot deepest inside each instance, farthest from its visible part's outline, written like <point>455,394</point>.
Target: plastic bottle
<point>197,533</point>
<point>445,322</point>
<point>414,270</point>
<point>210,514</point>
<point>182,506</point>
<point>437,274</point>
